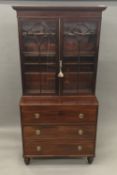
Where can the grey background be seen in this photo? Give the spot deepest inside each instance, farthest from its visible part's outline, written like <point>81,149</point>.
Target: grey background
<point>10,93</point>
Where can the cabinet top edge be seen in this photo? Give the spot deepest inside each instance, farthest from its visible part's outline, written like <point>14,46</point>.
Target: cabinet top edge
<point>58,100</point>
<point>81,8</point>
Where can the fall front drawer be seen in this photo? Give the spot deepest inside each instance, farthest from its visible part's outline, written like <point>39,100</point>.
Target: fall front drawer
<point>58,148</point>
<point>48,131</point>
<point>66,116</point>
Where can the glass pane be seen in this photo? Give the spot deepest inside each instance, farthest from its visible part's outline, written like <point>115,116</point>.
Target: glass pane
<point>32,83</point>
<point>39,38</point>
<point>79,39</point>
<point>40,49</point>
<point>70,83</point>
<point>48,83</point>
<point>85,83</point>
<point>79,50</point>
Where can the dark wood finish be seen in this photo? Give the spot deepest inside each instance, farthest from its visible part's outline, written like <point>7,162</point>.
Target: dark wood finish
<point>90,160</point>
<point>33,101</point>
<point>59,147</point>
<point>27,160</point>
<point>63,124</point>
<point>59,55</point>
<point>58,110</point>
<point>48,35</point>
<point>57,117</point>
<point>61,131</point>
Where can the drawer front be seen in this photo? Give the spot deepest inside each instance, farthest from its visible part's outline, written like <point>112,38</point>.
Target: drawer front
<point>58,148</point>
<point>80,132</point>
<point>59,116</point>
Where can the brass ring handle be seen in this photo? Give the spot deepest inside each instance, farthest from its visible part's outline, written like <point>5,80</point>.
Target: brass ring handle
<point>81,115</point>
<point>79,147</point>
<point>38,148</point>
<point>38,132</point>
<point>37,115</point>
<point>80,132</point>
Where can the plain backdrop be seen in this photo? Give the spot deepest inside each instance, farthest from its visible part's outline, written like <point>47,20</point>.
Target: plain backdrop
<point>10,93</point>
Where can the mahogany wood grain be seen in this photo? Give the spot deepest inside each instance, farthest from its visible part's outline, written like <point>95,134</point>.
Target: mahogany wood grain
<point>59,113</point>
<point>59,147</point>
<point>89,100</point>
<point>80,132</point>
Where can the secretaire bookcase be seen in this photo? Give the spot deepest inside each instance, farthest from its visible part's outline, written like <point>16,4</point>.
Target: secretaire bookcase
<point>59,54</point>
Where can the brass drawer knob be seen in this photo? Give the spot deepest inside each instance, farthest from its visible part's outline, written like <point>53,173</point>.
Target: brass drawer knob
<point>38,132</point>
<point>38,148</point>
<point>79,148</point>
<point>81,115</point>
<point>37,115</point>
<point>80,132</point>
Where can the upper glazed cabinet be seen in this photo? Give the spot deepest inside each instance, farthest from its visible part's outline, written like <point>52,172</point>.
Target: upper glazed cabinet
<point>59,53</point>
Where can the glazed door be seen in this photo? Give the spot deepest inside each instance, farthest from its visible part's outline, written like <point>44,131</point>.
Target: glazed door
<point>39,53</point>
<point>59,56</point>
<point>78,56</point>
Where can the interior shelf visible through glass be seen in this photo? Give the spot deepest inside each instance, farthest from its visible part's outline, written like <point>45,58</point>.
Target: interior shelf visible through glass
<point>39,38</point>
<point>78,83</point>
<point>39,83</point>
<point>79,38</point>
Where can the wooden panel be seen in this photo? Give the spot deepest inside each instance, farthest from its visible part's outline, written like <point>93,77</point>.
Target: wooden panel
<point>46,131</point>
<point>89,102</point>
<point>51,116</point>
<point>87,12</point>
<point>58,148</point>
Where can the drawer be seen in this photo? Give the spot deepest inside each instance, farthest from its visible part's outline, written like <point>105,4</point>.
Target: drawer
<point>60,116</point>
<point>48,131</point>
<point>58,148</point>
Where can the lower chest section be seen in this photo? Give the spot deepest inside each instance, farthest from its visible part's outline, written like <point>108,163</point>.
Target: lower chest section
<point>59,129</point>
